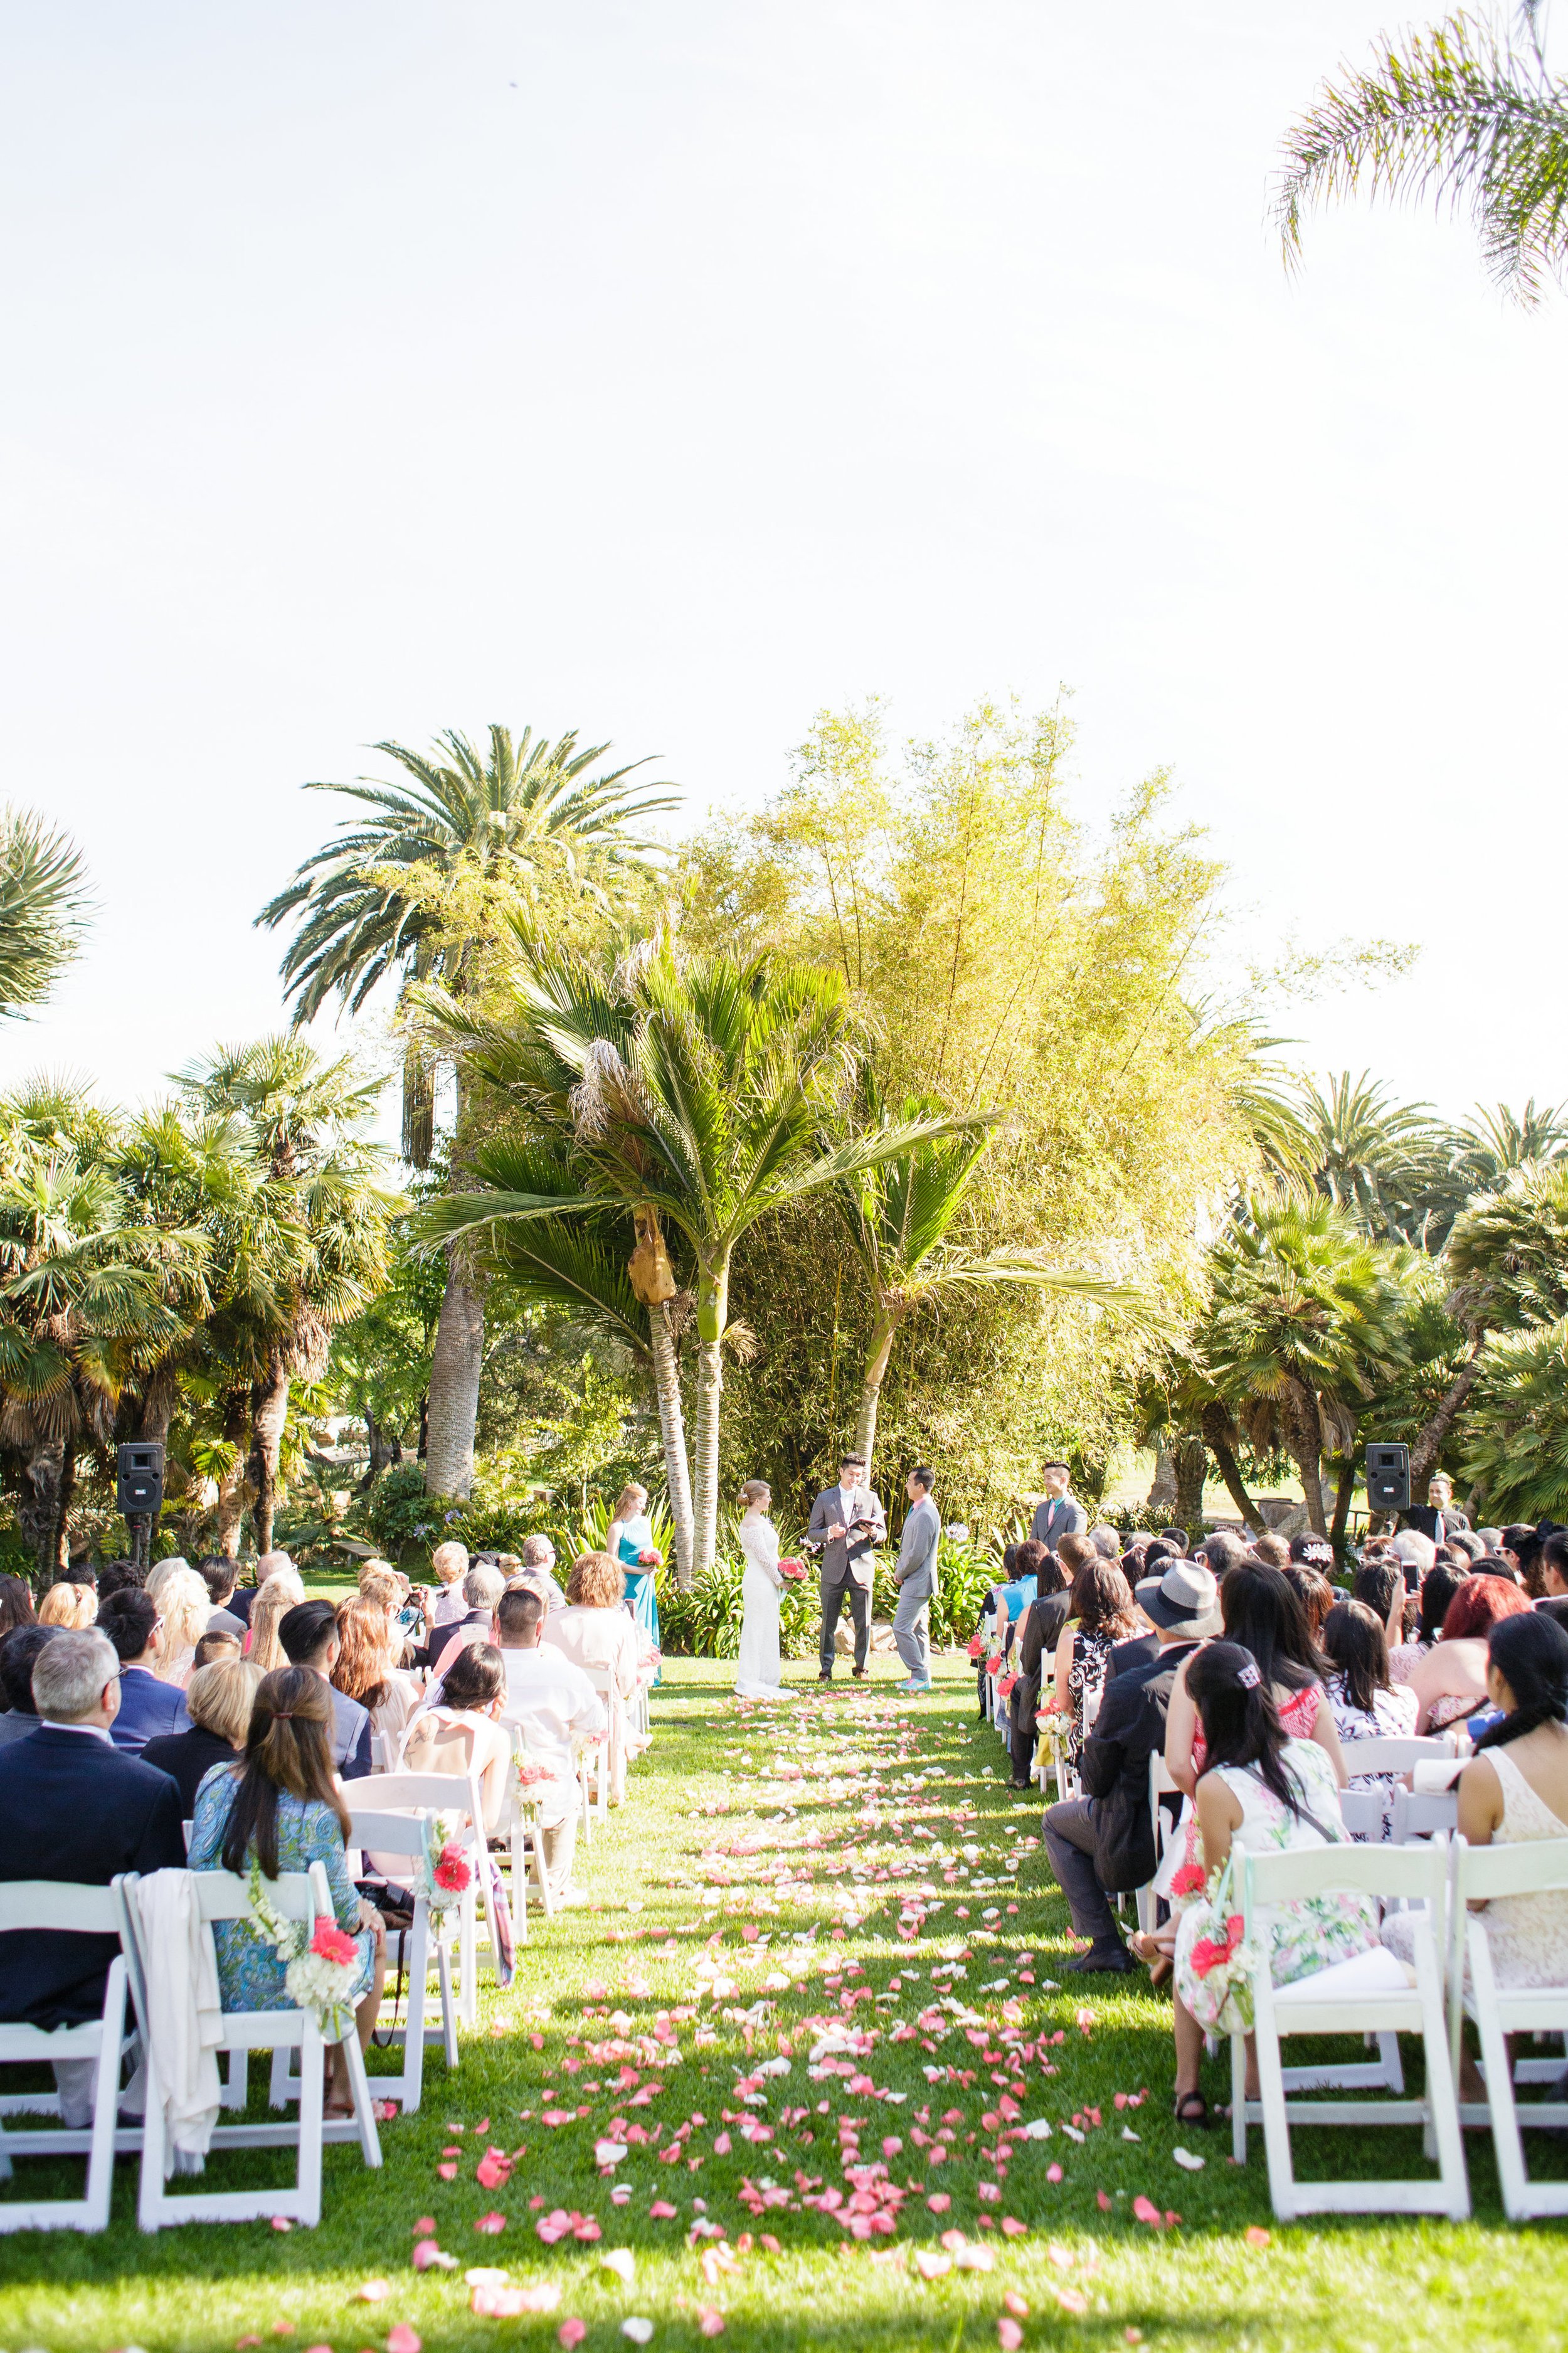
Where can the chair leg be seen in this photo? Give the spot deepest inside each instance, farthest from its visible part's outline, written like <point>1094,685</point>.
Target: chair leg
<point>416,1960</point>
<point>448,2007</point>
<point>150,2186</point>
<point>1276,2123</point>
<point>369,2138</point>
<point>518,1882</point>
<point>312,2091</point>
<point>468,1964</point>
<point>1239,2098</point>
<point>1441,2104</point>
<point>1393,2065</point>
<point>1513,2179</point>
<point>106,2101</point>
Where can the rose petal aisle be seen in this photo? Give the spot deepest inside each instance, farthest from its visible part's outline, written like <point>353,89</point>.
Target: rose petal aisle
<point>811,2069</point>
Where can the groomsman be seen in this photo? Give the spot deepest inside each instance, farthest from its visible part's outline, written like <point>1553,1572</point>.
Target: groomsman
<point>1058,1513</point>
<point>915,1576</point>
<point>846,1526</point>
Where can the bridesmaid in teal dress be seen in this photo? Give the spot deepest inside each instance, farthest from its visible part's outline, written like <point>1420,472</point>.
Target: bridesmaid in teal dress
<point>629,1540</point>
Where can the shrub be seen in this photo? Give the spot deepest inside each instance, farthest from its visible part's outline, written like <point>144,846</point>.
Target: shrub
<point>399,1512</point>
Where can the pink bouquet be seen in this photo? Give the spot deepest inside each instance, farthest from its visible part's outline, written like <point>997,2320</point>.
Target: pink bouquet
<point>994,1663</point>
<point>530,1775</point>
<point>321,1966</point>
<point>792,1568</point>
<point>651,1560</point>
<point>1007,1684</point>
<point>1188,1879</point>
<point>330,1943</point>
<point>452,1870</point>
<point>975,1647</point>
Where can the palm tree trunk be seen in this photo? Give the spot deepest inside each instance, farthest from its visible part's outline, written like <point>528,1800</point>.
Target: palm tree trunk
<point>1219,1432</point>
<point>268,1412</point>
<point>37,1507</point>
<point>454,1399</point>
<point>1162,1487</point>
<point>234,1487</point>
<point>1190,1458</point>
<point>160,1395</point>
<point>672,1431</point>
<point>884,1330</point>
<point>1429,1440</point>
<point>713,1303</point>
<point>1343,1494</point>
<point>1306,1439</point>
<point>62,1547</point>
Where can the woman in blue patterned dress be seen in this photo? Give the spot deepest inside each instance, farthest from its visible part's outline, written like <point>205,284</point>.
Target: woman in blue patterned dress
<point>280,1804</point>
<point>628,1540</point>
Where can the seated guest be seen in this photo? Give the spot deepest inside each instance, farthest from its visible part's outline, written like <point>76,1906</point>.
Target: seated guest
<point>219,1699</point>
<point>1553,1564</point>
<point>1415,1555</point>
<point>1272,1550</point>
<point>1380,1585</point>
<point>271,1604</point>
<point>450,1566</point>
<point>220,1575</point>
<point>461,1731</point>
<point>277,1805</point>
<point>1106,1540</point>
<point>147,1703</point>
<point>184,1607</point>
<point>16,1605</point>
<point>1314,1593</point>
<point>1262,1790</point>
<point>1101,1615</point>
<point>19,1655</point>
<point>1450,1681</point>
<point>120,1576</point>
<point>369,1641</point>
<point>71,1606</point>
<point>537,1568</point>
<point>241,1600</point>
<point>1520,1547</point>
<point>1103,1842</point>
<point>1366,1704</point>
<point>1437,1590</point>
<point>80,1810</point>
<point>309,1636</point>
<point>595,1632</point>
<point>482,1588</point>
<point>556,1707</point>
<point>224,1634</point>
<point>1037,1636</point>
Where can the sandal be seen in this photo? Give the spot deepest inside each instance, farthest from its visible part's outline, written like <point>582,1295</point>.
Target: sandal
<point>1192,2108</point>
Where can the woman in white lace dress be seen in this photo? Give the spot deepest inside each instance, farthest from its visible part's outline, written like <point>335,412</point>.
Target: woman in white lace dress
<point>759,1670</point>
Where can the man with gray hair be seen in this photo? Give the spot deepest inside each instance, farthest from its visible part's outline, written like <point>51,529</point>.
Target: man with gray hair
<point>80,1811</point>
<point>482,1588</point>
<point>242,1600</point>
<point>537,1565</point>
<point>1415,1555</point>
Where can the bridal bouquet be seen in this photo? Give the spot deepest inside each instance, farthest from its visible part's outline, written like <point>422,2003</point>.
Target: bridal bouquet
<point>321,1962</point>
<point>793,1569</point>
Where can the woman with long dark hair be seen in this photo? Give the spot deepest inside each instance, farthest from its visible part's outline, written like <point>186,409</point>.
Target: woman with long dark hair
<point>280,1806</point>
<point>1366,1704</point>
<point>1102,1614</point>
<point>1438,1587</point>
<point>1515,1788</point>
<point>1261,1789</point>
<point>1450,1681</point>
<point>1261,1609</point>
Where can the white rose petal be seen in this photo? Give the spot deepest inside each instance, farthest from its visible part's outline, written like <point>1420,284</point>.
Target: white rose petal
<point>1187,2161</point>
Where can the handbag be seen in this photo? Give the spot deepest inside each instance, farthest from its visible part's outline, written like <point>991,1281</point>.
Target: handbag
<point>1215,1958</point>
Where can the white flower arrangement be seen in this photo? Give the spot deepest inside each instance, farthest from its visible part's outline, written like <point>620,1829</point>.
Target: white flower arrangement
<point>321,1962</point>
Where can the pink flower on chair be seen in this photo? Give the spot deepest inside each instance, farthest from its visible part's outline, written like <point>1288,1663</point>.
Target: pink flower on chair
<point>330,1943</point>
<point>453,1869</point>
<point>1188,1879</point>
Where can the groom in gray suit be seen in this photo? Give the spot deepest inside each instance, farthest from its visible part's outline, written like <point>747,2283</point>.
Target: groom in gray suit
<point>846,1526</point>
<point>915,1576</point>
<point>1058,1512</point>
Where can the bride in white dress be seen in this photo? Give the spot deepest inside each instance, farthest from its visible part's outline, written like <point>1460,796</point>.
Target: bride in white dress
<point>758,1670</point>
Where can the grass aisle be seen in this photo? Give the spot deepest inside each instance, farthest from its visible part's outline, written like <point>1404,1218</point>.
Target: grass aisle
<point>791,2081</point>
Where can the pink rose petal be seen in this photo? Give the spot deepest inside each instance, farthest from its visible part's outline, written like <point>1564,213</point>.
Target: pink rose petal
<point>401,2338</point>
<point>572,2332</point>
<point>1009,2336</point>
<point>710,2320</point>
<point>373,2291</point>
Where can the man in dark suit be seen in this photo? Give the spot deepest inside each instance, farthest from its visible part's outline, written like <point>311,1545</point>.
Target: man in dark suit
<point>309,1634</point>
<point>1102,1844</point>
<point>846,1526</point>
<point>79,1811</point>
<point>242,1600</point>
<point>482,1590</point>
<point>1058,1512</point>
<point>147,1704</point>
<point>1436,1517</point>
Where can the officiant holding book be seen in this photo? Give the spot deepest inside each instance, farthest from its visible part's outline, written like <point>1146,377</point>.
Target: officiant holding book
<point>847,1523</point>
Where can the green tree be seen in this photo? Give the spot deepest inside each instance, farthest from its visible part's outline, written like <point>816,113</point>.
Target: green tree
<point>43,908</point>
<point>409,893</point>
<point>1387,1164</point>
<point>1515,1448</point>
<point>1456,113</point>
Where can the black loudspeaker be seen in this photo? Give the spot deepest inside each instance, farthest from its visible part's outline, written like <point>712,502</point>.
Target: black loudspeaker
<point>1388,1478</point>
<point>139,1481</point>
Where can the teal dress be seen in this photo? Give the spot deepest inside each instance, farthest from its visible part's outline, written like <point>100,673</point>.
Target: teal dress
<point>642,1600</point>
<point>250,1973</point>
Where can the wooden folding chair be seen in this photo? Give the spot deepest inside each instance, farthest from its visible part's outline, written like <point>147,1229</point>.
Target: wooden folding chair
<point>1538,1867</point>
<point>224,1895</point>
<point>1326,2005</point>
<point>31,1906</point>
<point>445,1793</point>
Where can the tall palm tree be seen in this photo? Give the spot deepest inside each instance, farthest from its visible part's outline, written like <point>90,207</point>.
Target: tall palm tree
<point>318,1253</point>
<point>697,1089</point>
<point>1386,1163</point>
<point>1459,113</point>
<point>1305,1317</point>
<point>898,1215</point>
<point>374,903</point>
<point>43,907</point>
<point>1495,1141</point>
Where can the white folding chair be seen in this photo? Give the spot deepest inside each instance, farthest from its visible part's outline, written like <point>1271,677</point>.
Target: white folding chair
<point>1334,2003</point>
<point>31,1908</point>
<point>596,1765</point>
<point>1481,1874</point>
<point>400,1838</point>
<point>1161,1785</point>
<point>445,1793</point>
<point>1424,1814</point>
<point>224,1895</point>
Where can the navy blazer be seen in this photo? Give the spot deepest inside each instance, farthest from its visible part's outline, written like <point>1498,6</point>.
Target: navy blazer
<point>351,1737</point>
<point>79,1809</point>
<point>146,1706</point>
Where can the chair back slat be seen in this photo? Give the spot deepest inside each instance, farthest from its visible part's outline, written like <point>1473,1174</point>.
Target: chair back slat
<point>1533,1867</point>
<point>1412,1872</point>
<point>1392,1753</point>
<point>224,1896</point>
<point>58,1905</point>
<point>399,1834</point>
<point>406,1793</point>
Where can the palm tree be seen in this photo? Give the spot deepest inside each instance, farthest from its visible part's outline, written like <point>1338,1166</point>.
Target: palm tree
<point>1305,1317</point>
<point>1386,1164</point>
<point>376,902</point>
<point>1456,113</point>
<point>316,1244</point>
<point>1495,1141</point>
<point>693,1092</point>
<point>898,1215</point>
<point>43,908</point>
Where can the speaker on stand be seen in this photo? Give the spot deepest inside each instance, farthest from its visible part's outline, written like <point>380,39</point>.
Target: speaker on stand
<point>139,1494</point>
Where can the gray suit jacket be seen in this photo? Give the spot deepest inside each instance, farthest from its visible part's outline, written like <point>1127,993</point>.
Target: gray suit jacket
<point>850,1555</point>
<point>915,1572</point>
<point>1066,1517</point>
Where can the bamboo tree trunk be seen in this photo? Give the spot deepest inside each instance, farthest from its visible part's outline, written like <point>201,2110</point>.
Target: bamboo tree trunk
<point>268,1412</point>
<point>672,1431</point>
<point>712,1305</point>
<point>883,1333</point>
<point>454,1399</point>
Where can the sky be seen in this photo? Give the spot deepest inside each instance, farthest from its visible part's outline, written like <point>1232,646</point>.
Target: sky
<point>671,373</point>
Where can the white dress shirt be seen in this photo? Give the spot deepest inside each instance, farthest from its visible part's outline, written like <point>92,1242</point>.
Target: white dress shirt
<point>552,1702</point>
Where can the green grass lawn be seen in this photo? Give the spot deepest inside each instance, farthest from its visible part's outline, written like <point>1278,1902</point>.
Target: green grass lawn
<point>878,1778</point>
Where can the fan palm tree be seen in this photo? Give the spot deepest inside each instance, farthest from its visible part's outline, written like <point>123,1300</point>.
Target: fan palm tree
<point>43,908</point>
<point>376,903</point>
<point>691,1091</point>
<point>898,1215</point>
<point>1305,1317</point>
<point>312,1250</point>
<point>1384,1163</point>
<point>1459,113</point>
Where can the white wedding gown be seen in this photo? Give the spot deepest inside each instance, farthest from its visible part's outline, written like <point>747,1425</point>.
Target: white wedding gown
<point>758,1669</point>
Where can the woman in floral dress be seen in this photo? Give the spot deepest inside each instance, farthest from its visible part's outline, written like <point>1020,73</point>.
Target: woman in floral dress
<point>280,1806</point>
<point>1102,1614</point>
<point>1262,1790</point>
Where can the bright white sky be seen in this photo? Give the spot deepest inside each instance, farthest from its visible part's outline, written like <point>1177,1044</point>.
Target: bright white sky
<point>672,371</point>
